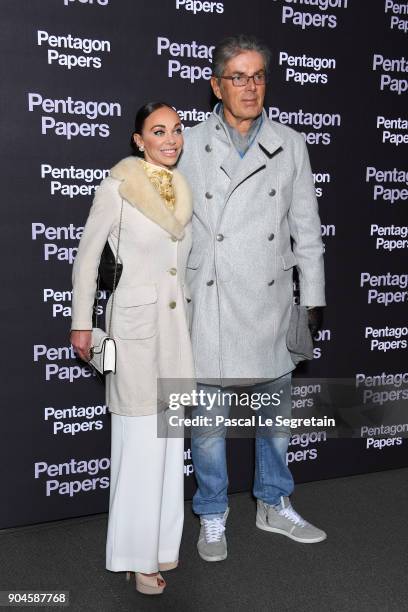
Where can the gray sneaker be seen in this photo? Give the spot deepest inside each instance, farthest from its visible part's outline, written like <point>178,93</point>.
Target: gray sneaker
<point>212,543</point>
<point>285,520</point>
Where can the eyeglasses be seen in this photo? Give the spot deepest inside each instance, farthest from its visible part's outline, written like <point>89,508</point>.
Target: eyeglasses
<point>243,79</point>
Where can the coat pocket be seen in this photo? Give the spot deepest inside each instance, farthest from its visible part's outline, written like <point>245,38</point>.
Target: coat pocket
<point>288,260</point>
<point>194,259</point>
<point>135,312</point>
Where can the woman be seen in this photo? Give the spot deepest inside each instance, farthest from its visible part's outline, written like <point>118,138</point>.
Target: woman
<point>149,324</point>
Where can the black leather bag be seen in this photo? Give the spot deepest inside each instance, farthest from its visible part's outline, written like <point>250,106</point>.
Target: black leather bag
<point>106,269</point>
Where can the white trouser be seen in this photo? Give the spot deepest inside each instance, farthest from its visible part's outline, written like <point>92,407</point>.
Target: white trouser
<point>146,509</point>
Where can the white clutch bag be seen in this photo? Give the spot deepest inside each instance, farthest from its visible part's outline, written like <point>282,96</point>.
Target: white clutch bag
<point>103,352</point>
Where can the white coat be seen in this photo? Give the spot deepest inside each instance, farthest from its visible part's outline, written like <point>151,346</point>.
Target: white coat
<point>150,318</point>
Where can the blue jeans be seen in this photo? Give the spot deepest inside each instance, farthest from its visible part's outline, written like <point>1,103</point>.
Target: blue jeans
<point>272,475</point>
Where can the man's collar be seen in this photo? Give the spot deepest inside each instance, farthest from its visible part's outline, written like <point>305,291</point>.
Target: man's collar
<point>267,136</point>
<point>219,110</point>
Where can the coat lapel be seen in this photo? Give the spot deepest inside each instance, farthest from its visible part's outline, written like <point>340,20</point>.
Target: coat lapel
<point>266,144</point>
<point>250,164</point>
<point>230,162</point>
<point>137,189</point>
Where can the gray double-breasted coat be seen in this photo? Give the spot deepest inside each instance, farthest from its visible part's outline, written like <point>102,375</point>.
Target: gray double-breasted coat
<point>246,211</point>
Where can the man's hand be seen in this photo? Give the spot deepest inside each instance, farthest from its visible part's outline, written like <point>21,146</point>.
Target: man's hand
<point>81,340</point>
<point>315,314</point>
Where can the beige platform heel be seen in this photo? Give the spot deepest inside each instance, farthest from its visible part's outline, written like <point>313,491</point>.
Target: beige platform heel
<point>148,585</point>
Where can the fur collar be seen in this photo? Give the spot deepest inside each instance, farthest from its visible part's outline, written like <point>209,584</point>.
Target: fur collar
<point>136,188</point>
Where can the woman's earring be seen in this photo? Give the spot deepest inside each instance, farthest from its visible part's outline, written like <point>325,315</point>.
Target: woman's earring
<point>141,148</point>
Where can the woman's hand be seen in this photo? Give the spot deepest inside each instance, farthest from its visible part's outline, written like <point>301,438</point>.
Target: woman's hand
<point>81,340</point>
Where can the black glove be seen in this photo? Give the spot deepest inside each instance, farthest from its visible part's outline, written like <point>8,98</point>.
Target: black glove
<point>315,315</point>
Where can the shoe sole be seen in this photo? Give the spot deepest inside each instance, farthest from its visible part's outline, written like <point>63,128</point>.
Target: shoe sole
<point>213,558</point>
<point>146,590</point>
<point>261,525</point>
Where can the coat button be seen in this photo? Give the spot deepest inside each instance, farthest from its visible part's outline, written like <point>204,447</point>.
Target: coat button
<point>172,305</point>
<point>272,282</point>
<point>271,236</point>
<point>219,237</point>
<point>173,271</point>
<point>208,195</point>
<point>272,192</point>
<point>208,148</point>
<point>218,127</point>
<point>174,239</point>
<point>210,283</point>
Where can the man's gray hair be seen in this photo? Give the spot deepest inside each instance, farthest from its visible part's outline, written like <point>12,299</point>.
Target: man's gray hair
<point>234,45</point>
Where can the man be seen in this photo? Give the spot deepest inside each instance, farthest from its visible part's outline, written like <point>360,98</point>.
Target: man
<point>253,193</point>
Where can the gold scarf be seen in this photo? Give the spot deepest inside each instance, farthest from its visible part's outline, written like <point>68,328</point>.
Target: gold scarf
<point>162,180</point>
